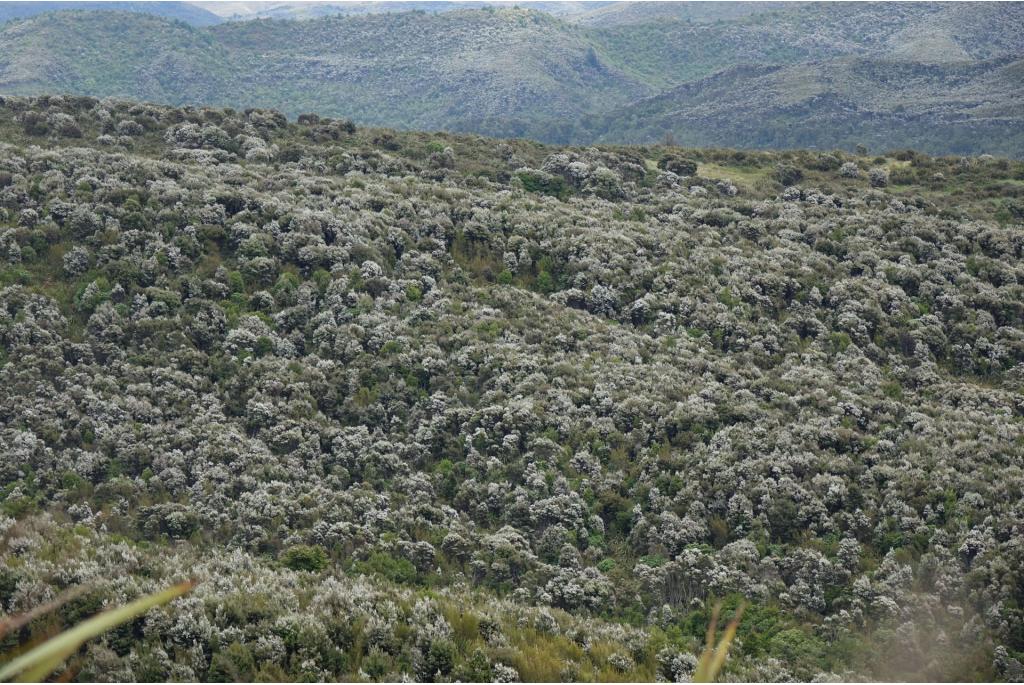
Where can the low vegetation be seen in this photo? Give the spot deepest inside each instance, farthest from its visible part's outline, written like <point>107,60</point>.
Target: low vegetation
<point>447,407</point>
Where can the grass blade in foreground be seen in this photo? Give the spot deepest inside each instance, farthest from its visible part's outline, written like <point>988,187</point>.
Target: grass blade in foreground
<point>47,657</point>
<point>713,658</point>
<point>13,623</point>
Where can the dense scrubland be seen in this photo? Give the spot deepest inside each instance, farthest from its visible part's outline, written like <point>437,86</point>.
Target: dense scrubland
<point>448,407</point>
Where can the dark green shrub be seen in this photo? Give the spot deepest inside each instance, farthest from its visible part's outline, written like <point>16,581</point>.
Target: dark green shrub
<point>8,584</point>
<point>34,123</point>
<point>477,669</point>
<point>439,660</point>
<point>545,283</point>
<point>376,664</point>
<point>290,153</point>
<point>546,184</point>
<point>784,519</point>
<point>383,564</point>
<point>797,647</point>
<point>787,174</point>
<point>305,558</point>
<point>235,664</point>
<point>264,346</point>
<point>678,165</point>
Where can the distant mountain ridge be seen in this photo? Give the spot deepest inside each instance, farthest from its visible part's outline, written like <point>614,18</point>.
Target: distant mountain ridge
<point>838,103</point>
<point>944,77</point>
<point>190,13</point>
<point>698,11</point>
<point>245,11</point>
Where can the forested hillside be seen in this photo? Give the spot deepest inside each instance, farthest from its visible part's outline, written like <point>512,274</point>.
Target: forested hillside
<point>446,407</point>
<point>946,78</point>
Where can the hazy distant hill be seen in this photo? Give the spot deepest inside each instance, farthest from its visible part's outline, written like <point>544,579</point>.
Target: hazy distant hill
<point>244,11</point>
<point>187,12</point>
<point>940,76</point>
<point>668,53</point>
<point>624,13</point>
<point>508,71</point>
<point>946,108</point>
<point>112,53</point>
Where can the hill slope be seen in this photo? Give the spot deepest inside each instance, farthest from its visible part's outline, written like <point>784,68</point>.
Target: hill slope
<point>938,76</point>
<point>414,403</point>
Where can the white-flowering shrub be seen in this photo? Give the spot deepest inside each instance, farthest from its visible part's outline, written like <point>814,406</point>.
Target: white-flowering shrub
<point>435,407</point>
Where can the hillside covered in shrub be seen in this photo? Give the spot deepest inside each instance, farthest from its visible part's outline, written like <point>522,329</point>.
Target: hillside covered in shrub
<point>448,407</point>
